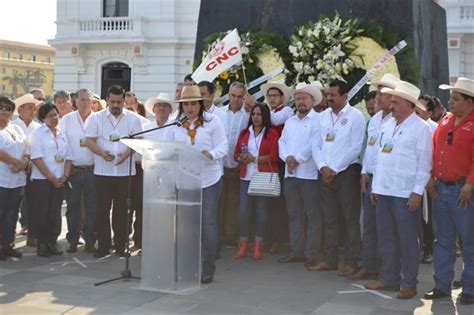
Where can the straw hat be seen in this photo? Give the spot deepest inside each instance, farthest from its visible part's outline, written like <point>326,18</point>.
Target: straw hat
<point>190,93</point>
<point>407,91</point>
<point>25,99</point>
<point>283,88</point>
<point>313,89</point>
<point>462,85</point>
<point>161,98</point>
<point>387,80</point>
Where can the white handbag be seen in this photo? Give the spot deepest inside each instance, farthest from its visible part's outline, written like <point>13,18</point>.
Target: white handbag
<point>264,184</point>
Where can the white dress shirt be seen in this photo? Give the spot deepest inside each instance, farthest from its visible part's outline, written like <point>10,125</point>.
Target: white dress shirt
<point>13,142</point>
<point>373,133</point>
<point>295,140</point>
<point>74,128</point>
<point>156,135</point>
<point>219,112</point>
<point>27,130</point>
<point>406,168</point>
<point>253,147</point>
<point>236,122</point>
<point>341,138</point>
<point>211,137</point>
<point>433,125</point>
<point>48,147</point>
<point>280,117</point>
<point>101,126</point>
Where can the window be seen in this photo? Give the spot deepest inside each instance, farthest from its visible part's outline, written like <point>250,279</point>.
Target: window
<point>4,70</point>
<point>115,8</point>
<point>33,58</point>
<point>20,56</point>
<point>6,55</point>
<point>48,60</point>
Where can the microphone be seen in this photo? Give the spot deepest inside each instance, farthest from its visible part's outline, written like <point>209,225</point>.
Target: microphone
<point>180,121</point>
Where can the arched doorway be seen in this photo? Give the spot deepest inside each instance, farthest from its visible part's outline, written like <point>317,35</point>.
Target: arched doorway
<point>115,73</point>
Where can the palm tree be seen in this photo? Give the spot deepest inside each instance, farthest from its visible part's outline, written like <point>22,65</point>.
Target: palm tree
<point>14,80</point>
<point>38,76</point>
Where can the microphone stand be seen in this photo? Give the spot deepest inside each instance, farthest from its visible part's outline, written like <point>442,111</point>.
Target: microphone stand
<point>126,274</point>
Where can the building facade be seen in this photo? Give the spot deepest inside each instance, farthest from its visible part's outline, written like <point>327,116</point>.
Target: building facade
<point>460,23</point>
<point>24,67</point>
<point>144,45</point>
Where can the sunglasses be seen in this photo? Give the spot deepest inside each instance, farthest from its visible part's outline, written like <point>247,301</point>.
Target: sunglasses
<point>449,141</point>
<point>7,107</point>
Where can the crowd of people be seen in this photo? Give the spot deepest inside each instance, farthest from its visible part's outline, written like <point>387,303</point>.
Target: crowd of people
<point>408,172</point>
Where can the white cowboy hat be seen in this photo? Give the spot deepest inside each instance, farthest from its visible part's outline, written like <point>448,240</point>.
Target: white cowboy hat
<point>25,99</point>
<point>313,89</point>
<point>161,98</point>
<point>283,88</point>
<point>190,93</point>
<point>387,80</point>
<point>462,85</point>
<point>407,91</point>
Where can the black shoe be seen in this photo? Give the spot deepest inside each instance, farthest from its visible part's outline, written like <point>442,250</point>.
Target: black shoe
<point>466,299</point>
<point>120,252</point>
<point>99,253</point>
<point>42,250</point>
<point>436,294</point>
<point>457,284</point>
<point>89,248</point>
<point>54,249</point>
<point>10,252</point>
<point>72,248</point>
<point>206,280</point>
<point>427,258</point>
<point>3,256</point>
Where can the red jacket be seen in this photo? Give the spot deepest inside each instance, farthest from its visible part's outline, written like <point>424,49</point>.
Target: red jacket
<point>268,147</point>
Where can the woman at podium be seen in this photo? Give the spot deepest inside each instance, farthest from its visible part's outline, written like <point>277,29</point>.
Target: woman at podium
<point>205,132</point>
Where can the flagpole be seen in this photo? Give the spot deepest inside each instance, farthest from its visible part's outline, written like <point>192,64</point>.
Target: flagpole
<point>243,72</point>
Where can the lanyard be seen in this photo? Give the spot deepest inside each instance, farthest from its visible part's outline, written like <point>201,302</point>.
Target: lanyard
<point>55,140</point>
<point>115,126</point>
<point>79,119</point>
<point>395,130</point>
<point>337,118</point>
<point>258,139</point>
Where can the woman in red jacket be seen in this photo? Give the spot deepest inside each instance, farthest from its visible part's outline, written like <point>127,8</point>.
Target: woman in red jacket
<point>256,149</point>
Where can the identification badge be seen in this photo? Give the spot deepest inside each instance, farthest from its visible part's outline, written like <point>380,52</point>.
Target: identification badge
<point>330,136</point>
<point>114,136</point>
<point>59,158</point>
<point>82,142</point>
<point>372,140</point>
<point>387,147</point>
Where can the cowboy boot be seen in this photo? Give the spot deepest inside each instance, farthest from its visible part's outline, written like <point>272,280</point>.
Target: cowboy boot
<point>258,250</point>
<point>242,250</point>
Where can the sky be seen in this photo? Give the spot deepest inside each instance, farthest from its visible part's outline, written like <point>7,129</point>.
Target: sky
<point>30,21</point>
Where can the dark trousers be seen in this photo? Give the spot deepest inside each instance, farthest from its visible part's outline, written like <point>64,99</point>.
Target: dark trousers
<point>46,217</point>
<point>342,195</point>
<point>278,227</point>
<point>111,189</point>
<point>427,229</point>
<point>9,201</point>
<point>229,206</point>
<point>137,206</point>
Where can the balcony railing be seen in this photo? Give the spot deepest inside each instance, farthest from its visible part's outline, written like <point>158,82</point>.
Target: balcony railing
<point>109,26</point>
<point>466,13</point>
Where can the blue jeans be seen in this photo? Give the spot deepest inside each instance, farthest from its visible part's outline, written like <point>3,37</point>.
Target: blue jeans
<point>398,241</point>
<point>247,204</point>
<point>9,202</point>
<point>302,198</point>
<point>83,188</point>
<point>449,221</point>
<point>370,253</point>
<point>210,201</point>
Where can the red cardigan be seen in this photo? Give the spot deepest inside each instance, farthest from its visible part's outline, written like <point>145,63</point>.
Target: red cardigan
<point>268,147</point>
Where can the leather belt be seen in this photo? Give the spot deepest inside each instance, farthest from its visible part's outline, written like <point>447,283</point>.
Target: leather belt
<point>459,182</point>
<point>84,168</point>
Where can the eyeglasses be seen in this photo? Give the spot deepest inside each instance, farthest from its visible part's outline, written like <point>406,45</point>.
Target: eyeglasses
<point>7,107</point>
<point>449,141</point>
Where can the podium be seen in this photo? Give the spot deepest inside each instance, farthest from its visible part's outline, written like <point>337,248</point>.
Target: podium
<point>172,200</point>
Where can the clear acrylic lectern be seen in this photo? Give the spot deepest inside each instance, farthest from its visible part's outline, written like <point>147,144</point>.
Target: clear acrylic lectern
<point>172,199</point>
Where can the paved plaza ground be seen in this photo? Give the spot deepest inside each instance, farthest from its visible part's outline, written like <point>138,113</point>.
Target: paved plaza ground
<point>65,285</point>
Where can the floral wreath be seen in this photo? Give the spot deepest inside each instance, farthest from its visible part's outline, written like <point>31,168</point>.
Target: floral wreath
<point>192,132</point>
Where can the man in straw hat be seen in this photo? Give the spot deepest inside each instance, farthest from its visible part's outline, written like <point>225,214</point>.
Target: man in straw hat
<point>370,256</point>
<point>300,184</point>
<point>450,186</point>
<point>336,153</point>
<point>401,174</point>
<point>162,107</point>
<point>25,106</point>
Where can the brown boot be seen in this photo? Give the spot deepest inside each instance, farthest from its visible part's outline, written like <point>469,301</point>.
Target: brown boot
<point>258,250</point>
<point>242,250</point>
<point>31,242</point>
<point>407,293</point>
